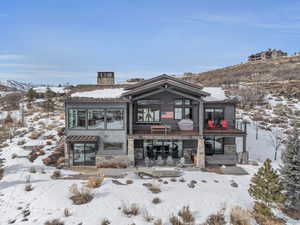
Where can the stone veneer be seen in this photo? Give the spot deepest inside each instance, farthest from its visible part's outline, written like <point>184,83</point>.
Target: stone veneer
<point>200,157</point>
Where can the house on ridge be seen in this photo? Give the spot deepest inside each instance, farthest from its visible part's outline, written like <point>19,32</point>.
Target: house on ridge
<point>160,121</point>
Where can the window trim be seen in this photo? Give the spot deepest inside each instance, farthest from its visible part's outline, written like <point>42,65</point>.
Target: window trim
<point>105,118</point>
<point>147,107</point>
<point>84,144</point>
<point>214,148</point>
<point>204,116</point>
<point>183,106</point>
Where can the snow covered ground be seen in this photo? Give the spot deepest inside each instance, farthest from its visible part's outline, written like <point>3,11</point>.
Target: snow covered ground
<point>49,197</point>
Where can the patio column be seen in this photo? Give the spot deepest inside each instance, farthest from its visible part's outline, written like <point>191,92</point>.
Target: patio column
<point>130,152</point>
<point>200,157</point>
<point>201,117</point>
<point>130,117</point>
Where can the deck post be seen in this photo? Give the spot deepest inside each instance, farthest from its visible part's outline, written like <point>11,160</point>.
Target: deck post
<point>130,117</point>
<point>201,116</point>
<point>200,157</point>
<point>130,151</point>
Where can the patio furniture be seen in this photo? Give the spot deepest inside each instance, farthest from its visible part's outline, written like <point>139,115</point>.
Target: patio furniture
<point>224,124</point>
<point>186,125</point>
<point>211,124</point>
<point>160,128</point>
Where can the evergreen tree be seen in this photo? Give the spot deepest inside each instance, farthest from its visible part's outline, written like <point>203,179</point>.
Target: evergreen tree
<point>266,187</point>
<point>290,171</point>
<point>31,95</point>
<point>49,93</point>
<point>49,103</point>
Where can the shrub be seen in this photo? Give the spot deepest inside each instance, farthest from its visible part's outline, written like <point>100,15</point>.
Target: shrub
<point>182,180</point>
<point>261,209</point>
<point>1,173</point>
<point>95,182</point>
<point>216,219</point>
<point>14,155</point>
<point>146,215</point>
<point>54,222</point>
<point>165,182</point>
<point>28,187</point>
<point>173,180</point>
<point>156,201</point>
<point>105,222</point>
<point>80,196</point>
<point>239,216</point>
<point>158,222</point>
<point>32,170</point>
<point>56,174</point>
<point>175,220</point>
<point>48,143</point>
<point>22,142</point>
<point>129,181</point>
<point>67,212</point>
<point>186,215</point>
<point>130,210</point>
<point>154,188</point>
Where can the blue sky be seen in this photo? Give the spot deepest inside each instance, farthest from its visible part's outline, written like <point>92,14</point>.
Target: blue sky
<point>59,41</point>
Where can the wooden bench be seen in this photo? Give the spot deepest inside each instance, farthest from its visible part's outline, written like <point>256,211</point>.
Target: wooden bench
<point>160,128</point>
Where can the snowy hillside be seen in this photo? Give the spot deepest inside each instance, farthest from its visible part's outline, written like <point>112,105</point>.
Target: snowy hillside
<point>49,198</point>
<point>15,85</point>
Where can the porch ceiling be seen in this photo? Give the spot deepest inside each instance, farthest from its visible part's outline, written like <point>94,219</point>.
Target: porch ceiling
<point>76,138</point>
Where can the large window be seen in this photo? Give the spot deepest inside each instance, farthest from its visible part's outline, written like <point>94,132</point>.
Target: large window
<point>84,154</point>
<point>163,148</point>
<point>214,114</point>
<point>148,111</point>
<point>96,119</point>
<point>183,109</point>
<point>77,118</point>
<point>115,119</point>
<point>214,145</point>
<point>113,146</point>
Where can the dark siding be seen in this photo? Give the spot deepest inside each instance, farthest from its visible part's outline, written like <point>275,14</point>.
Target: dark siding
<point>167,105</point>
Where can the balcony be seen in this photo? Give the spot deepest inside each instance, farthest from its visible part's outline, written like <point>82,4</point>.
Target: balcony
<point>225,128</point>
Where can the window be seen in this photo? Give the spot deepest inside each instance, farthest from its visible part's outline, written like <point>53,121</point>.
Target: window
<point>115,119</point>
<point>148,111</point>
<point>164,148</point>
<point>214,114</point>
<point>214,145</point>
<point>77,118</point>
<point>115,146</point>
<point>183,109</point>
<point>96,119</point>
<point>84,154</point>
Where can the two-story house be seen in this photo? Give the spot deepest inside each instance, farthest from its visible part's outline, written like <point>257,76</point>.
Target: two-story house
<point>159,121</point>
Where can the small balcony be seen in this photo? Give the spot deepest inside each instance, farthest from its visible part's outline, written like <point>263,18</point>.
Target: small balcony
<point>223,127</point>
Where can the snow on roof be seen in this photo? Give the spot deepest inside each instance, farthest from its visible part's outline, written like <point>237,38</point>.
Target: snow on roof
<point>102,93</point>
<point>216,94</point>
<point>54,89</point>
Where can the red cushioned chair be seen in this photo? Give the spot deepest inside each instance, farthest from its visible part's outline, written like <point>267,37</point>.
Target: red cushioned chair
<point>210,124</point>
<point>224,124</point>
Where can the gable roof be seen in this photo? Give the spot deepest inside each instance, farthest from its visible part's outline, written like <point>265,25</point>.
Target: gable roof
<point>162,77</point>
<point>164,82</point>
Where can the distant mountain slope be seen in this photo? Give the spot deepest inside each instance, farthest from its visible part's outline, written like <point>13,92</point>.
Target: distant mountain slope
<point>12,85</point>
<point>286,68</point>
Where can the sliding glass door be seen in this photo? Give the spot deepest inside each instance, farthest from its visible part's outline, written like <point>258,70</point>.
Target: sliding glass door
<point>84,154</point>
<point>214,145</point>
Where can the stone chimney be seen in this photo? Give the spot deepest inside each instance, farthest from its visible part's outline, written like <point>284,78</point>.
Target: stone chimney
<point>106,78</point>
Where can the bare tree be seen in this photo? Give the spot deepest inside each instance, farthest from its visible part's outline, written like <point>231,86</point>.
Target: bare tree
<point>276,140</point>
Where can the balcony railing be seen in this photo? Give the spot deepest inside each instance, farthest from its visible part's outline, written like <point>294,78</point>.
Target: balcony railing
<point>225,125</point>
